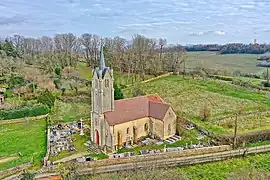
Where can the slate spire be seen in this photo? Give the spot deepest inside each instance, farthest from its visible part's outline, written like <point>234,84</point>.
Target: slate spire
<point>102,60</point>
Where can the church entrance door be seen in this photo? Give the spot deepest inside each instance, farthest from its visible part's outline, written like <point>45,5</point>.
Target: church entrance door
<point>97,137</point>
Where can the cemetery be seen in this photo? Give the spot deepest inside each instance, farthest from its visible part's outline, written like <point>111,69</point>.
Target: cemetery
<point>66,139</point>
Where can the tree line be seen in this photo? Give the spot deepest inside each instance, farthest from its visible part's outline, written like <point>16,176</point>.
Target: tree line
<point>140,55</point>
<point>232,48</point>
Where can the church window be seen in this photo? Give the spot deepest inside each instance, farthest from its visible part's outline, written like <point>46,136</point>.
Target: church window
<point>106,83</point>
<point>96,82</point>
<point>127,130</point>
<point>146,126</point>
<point>169,129</point>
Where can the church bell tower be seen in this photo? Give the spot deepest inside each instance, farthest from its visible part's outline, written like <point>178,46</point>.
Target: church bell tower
<point>102,97</point>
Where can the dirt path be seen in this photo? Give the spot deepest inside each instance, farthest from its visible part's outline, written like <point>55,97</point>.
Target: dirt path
<point>148,80</point>
<point>4,160</point>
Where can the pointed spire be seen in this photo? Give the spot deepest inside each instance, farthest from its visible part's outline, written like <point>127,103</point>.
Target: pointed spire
<point>102,60</point>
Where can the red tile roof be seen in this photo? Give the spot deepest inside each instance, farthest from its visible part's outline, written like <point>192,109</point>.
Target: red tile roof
<point>135,108</point>
<point>51,178</point>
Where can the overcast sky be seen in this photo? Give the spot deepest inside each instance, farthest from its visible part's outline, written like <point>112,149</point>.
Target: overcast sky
<point>180,21</point>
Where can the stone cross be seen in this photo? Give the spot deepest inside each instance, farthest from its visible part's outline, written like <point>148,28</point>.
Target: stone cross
<point>81,132</point>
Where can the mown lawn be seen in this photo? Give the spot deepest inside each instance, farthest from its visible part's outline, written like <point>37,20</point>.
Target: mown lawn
<point>189,97</point>
<point>28,139</point>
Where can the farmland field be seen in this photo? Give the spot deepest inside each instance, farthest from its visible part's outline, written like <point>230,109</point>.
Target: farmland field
<point>189,97</point>
<point>246,63</point>
<point>28,139</point>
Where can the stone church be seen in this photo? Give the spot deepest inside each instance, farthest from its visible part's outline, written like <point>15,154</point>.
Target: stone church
<point>119,122</point>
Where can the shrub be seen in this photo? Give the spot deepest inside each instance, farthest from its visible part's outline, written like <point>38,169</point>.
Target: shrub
<point>57,83</point>
<point>118,94</point>
<point>265,84</point>
<point>8,93</point>
<point>15,80</point>
<point>224,78</point>
<point>57,71</point>
<point>205,113</point>
<point>26,111</point>
<point>47,98</point>
<point>138,92</point>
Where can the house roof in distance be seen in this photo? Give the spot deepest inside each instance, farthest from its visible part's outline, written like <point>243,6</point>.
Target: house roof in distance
<point>126,110</point>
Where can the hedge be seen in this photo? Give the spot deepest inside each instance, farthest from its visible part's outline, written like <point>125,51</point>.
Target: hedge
<point>26,111</point>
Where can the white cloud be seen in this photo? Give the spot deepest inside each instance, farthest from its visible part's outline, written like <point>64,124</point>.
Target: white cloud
<point>193,20</point>
<point>221,33</point>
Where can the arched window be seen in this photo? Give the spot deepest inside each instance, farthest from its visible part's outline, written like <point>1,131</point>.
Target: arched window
<point>169,129</point>
<point>96,121</point>
<point>127,130</point>
<point>106,83</point>
<point>96,83</point>
<point>146,126</point>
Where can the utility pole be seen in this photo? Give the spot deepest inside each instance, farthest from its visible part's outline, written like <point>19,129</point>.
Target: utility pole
<point>235,130</point>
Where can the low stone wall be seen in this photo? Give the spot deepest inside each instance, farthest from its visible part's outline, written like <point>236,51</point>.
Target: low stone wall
<point>12,121</point>
<point>46,158</point>
<point>14,170</point>
<point>164,155</point>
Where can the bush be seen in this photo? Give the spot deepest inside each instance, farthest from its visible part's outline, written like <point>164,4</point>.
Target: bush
<point>57,83</point>
<point>57,71</point>
<point>205,113</point>
<point>118,94</point>
<point>138,92</point>
<point>224,78</point>
<point>15,80</point>
<point>47,98</point>
<point>8,93</point>
<point>26,111</point>
<point>265,84</point>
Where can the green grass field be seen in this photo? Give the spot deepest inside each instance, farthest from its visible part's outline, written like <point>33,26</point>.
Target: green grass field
<point>28,138</point>
<point>251,167</point>
<point>190,96</point>
<point>246,63</point>
<point>67,112</point>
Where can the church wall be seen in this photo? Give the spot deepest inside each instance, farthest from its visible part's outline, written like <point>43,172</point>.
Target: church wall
<point>122,129</point>
<point>169,119</point>
<point>108,135</point>
<point>158,127</point>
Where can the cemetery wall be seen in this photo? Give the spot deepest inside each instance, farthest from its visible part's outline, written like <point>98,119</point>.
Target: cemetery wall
<point>11,121</point>
<point>164,155</point>
<point>46,158</point>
